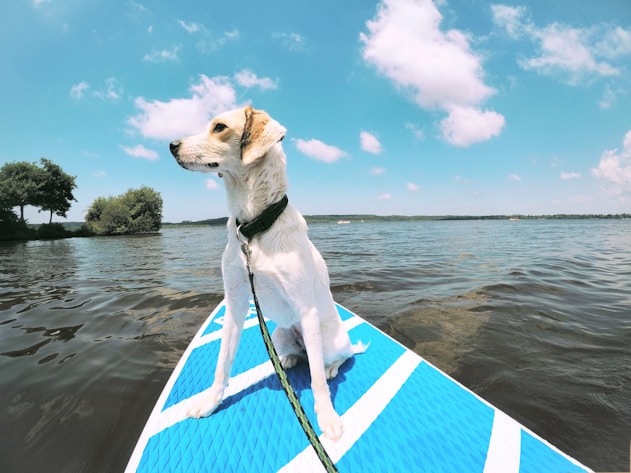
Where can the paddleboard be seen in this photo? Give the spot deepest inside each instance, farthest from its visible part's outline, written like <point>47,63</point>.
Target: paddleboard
<point>400,413</point>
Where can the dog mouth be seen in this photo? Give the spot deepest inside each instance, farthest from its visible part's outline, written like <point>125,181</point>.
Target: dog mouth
<point>213,166</point>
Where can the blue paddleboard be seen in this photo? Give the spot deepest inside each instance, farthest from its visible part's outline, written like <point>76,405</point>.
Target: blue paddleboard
<point>400,413</point>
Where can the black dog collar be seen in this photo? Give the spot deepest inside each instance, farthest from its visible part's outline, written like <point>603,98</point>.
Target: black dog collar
<point>264,221</point>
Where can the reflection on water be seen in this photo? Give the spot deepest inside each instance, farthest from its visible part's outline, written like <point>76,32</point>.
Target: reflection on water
<point>532,315</point>
<point>440,330</point>
<point>89,331</point>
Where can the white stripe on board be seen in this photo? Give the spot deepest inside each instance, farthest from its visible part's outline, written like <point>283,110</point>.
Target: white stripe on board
<point>238,383</point>
<point>178,412</point>
<point>216,335</point>
<point>349,324</point>
<point>360,416</point>
<point>505,445</point>
<point>154,417</point>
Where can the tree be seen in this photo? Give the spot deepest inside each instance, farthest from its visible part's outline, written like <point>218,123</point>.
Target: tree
<point>19,185</point>
<point>55,190</point>
<point>135,211</point>
<point>10,226</point>
<point>47,187</point>
<point>145,210</point>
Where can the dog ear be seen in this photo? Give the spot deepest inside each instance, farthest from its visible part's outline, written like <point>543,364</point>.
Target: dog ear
<point>260,133</point>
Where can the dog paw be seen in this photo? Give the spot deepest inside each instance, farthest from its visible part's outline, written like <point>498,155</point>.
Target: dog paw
<point>332,369</point>
<point>205,404</point>
<point>289,361</point>
<point>331,425</point>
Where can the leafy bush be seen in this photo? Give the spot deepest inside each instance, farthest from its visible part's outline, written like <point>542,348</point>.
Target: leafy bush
<point>135,211</point>
<point>11,228</point>
<point>52,230</point>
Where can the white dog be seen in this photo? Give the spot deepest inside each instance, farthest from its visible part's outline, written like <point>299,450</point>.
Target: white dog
<point>291,279</point>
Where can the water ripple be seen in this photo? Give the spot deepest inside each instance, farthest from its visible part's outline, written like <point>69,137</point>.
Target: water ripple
<point>532,315</point>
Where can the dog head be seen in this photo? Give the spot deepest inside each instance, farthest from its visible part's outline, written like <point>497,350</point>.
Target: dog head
<point>231,141</point>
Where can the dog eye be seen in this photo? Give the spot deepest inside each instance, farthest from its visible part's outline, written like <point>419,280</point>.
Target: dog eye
<point>219,127</point>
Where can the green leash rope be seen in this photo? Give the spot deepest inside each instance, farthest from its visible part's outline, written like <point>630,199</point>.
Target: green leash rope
<point>323,456</point>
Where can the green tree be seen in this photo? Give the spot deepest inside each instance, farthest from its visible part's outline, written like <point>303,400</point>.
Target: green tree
<point>145,210</point>
<point>135,211</point>
<point>96,210</point>
<point>10,226</point>
<point>55,190</point>
<point>19,185</point>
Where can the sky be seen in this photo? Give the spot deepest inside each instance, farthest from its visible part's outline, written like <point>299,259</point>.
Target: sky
<point>407,107</point>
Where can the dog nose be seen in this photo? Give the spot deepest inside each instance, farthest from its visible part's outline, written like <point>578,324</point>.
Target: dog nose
<point>175,147</point>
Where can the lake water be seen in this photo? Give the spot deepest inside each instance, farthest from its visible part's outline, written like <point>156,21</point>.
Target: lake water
<point>535,316</point>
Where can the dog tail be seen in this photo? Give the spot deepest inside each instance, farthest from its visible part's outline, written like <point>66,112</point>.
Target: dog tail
<point>360,347</point>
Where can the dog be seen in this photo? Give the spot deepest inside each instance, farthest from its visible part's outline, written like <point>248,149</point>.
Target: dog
<point>291,278</point>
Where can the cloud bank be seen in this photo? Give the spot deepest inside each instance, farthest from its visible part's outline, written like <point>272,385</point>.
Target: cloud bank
<point>139,151</point>
<point>436,69</point>
<point>565,53</point>
<point>615,167</point>
<point>370,143</point>
<point>319,150</point>
<point>179,117</point>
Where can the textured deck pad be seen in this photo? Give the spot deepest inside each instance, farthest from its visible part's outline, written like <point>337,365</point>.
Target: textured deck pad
<point>399,412</point>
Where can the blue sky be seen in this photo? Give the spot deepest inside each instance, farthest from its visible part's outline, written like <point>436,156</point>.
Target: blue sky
<point>405,107</point>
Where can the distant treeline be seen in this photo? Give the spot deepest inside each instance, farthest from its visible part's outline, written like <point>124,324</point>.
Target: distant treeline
<point>404,218</point>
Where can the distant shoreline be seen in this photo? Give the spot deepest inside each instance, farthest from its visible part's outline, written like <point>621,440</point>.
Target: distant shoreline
<point>404,218</point>
<point>358,218</point>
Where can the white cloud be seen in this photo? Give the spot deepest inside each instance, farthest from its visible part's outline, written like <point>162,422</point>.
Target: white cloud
<point>417,131</point>
<point>377,171</point>
<point>616,42</point>
<point>514,177</point>
<point>608,99</point>
<point>99,173</point>
<point>189,27</point>
<point>184,116</point>
<point>111,92</point>
<point>437,69</point>
<point>139,151</point>
<point>384,196</point>
<point>413,187</point>
<point>208,42</point>
<point>370,143</point>
<point>568,54</point>
<point>248,79</point>
<point>319,151</point>
<point>40,2</point>
<point>509,18</point>
<point>211,184</point>
<point>565,52</point>
<point>615,166</point>
<point>405,44</point>
<point>566,176</point>
<point>77,90</point>
<point>291,41</point>
<point>231,35</point>
<point>164,55</point>
<point>138,10</point>
<point>467,125</point>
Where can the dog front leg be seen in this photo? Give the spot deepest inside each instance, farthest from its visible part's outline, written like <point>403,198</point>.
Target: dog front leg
<point>234,318</point>
<point>329,422</point>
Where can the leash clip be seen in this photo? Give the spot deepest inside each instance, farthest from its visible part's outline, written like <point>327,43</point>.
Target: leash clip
<point>245,248</point>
